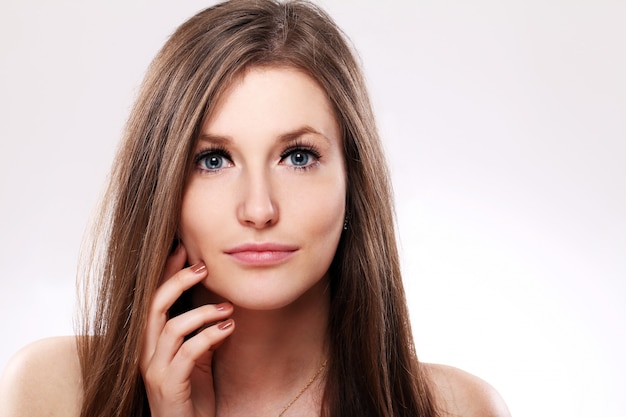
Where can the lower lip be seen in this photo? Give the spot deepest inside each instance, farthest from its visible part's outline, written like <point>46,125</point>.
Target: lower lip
<point>263,258</point>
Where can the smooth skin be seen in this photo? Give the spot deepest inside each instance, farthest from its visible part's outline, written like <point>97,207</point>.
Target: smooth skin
<point>269,169</point>
<point>268,172</point>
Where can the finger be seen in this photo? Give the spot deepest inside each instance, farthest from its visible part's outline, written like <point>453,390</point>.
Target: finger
<point>199,346</point>
<point>163,300</point>
<point>174,286</point>
<point>176,329</point>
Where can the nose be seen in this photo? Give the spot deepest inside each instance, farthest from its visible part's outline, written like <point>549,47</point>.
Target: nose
<point>257,208</point>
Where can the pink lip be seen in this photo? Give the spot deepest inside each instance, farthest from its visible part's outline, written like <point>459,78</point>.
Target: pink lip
<point>261,254</point>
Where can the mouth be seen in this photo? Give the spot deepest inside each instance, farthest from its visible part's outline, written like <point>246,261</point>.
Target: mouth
<point>261,254</point>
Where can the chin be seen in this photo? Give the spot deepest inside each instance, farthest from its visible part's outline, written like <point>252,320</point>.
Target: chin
<point>269,294</point>
<point>263,300</point>
<point>261,305</point>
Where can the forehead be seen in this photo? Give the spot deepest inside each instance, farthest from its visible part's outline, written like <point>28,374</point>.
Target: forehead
<point>283,96</point>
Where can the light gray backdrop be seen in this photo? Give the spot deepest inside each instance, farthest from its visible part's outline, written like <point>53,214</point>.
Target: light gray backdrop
<point>505,127</point>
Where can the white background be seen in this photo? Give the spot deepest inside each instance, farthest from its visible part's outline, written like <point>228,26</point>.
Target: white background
<point>505,125</point>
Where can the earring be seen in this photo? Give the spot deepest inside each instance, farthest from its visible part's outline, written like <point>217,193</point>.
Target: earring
<point>345,223</point>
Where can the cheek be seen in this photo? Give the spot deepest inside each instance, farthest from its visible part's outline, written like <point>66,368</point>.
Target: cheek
<point>324,220</point>
<point>318,209</point>
<point>198,221</point>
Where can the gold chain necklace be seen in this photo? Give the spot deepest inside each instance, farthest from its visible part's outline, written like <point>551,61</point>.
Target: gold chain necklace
<point>308,384</point>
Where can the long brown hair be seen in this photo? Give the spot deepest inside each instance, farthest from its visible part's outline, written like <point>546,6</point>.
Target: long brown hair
<point>372,369</point>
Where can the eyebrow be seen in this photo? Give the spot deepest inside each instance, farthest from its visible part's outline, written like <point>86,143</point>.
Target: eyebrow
<point>285,137</point>
<point>291,136</point>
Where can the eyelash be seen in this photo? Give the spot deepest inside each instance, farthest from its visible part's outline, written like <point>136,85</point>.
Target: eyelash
<point>304,148</point>
<point>205,153</point>
<point>221,152</point>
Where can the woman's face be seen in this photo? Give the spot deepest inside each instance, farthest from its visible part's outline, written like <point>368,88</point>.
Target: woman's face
<point>264,204</point>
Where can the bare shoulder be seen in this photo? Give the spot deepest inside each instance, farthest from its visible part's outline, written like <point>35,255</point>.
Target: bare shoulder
<point>42,379</point>
<point>461,394</point>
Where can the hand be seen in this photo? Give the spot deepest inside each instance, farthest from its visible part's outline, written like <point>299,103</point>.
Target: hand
<point>177,373</point>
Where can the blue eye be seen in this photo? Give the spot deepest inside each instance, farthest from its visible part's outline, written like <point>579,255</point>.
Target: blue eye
<point>212,160</point>
<point>300,158</point>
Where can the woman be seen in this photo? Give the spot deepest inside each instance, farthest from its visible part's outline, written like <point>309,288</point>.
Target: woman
<point>245,260</point>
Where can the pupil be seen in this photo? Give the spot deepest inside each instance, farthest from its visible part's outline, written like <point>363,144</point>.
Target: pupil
<point>299,158</point>
<point>214,161</point>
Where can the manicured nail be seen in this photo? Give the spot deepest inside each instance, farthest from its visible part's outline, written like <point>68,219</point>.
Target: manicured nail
<point>225,324</point>
<point>198,268</point>
<point>222,306</point>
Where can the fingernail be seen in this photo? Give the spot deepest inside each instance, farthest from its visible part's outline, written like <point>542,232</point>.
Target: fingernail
<point>225,324</point>
<point>198,268</point>
<point>222,306</point>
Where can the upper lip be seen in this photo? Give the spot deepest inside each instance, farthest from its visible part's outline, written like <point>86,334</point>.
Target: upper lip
<point>262,247</point>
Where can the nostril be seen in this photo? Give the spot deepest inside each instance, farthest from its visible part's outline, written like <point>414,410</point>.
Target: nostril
<point>258,213</point>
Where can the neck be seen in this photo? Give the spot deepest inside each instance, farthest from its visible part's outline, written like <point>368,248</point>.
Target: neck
<point>271,355</point>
